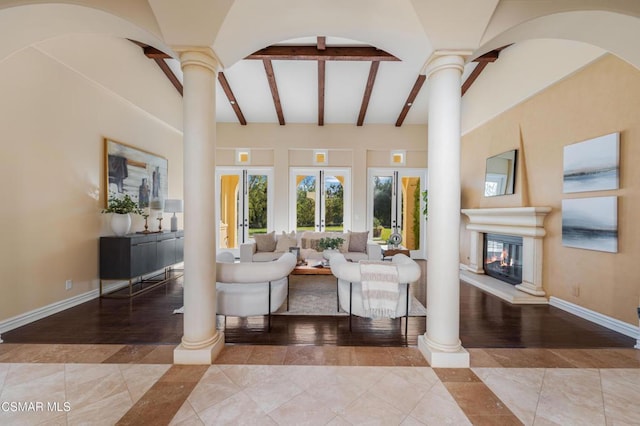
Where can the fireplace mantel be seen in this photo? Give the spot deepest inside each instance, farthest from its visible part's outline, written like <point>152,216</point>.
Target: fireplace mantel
<point>525,222</point>
<point>520,221</point>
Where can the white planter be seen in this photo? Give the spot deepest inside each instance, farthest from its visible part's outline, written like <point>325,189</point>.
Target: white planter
<point>120,224</point>
<point>329,252</point>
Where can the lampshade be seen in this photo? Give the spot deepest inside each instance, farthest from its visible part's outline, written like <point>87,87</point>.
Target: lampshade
<point>173,206</point>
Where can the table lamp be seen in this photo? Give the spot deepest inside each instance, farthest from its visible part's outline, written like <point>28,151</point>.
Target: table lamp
<point>173,206</point>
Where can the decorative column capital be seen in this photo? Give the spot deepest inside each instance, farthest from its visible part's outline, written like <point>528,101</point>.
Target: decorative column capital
<point>202,57</point>
<point>443,59</point>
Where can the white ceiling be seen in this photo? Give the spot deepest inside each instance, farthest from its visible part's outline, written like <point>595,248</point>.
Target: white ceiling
<point>345,83</point>
<point>549,43</point>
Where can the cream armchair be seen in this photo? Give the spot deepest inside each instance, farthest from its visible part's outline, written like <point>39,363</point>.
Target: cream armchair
<point>257,288</point>
<point>350,285</point>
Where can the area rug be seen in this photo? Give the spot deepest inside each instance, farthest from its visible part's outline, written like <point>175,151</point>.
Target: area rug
<point>316,295</point>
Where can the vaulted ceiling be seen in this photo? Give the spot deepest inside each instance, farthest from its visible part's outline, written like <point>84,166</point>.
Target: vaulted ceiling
<point>322,80</point>
<point>325,85</point>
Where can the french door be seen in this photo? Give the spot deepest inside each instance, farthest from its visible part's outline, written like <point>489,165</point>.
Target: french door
<point>395,204</point>
<point>245,205</point>
<point>320,199</point>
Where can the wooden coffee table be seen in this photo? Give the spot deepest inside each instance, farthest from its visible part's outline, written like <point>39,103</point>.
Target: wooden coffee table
<point>388,252</point>
<point>305,269</point>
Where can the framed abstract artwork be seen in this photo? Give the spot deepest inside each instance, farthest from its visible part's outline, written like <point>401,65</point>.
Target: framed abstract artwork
<point>592,165</point>
<point>590,223</point>
<point>140,174</point>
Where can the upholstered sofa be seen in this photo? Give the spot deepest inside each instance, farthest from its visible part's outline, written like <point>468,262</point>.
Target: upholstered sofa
<point>252,289</point>
<point>350,284</point>
<point>267,247</point>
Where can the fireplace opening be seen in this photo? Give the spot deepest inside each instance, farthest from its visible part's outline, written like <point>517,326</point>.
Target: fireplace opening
<point>503,257</point>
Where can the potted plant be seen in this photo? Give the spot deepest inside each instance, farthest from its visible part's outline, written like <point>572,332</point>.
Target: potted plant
<point>121,208</point>
<point>329,245</point>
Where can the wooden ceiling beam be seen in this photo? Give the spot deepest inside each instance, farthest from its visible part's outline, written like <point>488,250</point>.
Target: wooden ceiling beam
<point>321,45</point>
<point>330,53</point>
<point>169,73</point>
<point>491,56</point>
<point>232,99</point>
<point>473,76</point>
<point>153,53</point>
<point>321,85</point>
<point>268,68</point>
<point>482,61</point>
<point>412,97</point>
<point>373,71</point>
<point>159,57</point>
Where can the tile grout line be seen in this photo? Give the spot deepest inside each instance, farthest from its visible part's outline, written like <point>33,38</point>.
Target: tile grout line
<point>535,413</point>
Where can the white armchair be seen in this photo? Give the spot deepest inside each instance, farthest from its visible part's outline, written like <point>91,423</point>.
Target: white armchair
<point>350,285</point>
<point>257,288</point>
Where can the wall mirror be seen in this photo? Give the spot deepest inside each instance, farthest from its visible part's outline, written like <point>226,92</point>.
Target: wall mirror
<point>500,177</point>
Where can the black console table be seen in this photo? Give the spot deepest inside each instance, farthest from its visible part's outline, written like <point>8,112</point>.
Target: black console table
<point>132,256</point>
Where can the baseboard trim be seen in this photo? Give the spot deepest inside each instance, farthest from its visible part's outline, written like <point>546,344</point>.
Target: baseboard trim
<point>598,318</point>
<point>54,308</point>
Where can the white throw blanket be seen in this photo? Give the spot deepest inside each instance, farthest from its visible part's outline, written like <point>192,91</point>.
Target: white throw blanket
<point>380,289</point>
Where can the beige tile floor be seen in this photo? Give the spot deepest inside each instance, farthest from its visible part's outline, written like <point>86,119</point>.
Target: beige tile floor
<point>272,385</point>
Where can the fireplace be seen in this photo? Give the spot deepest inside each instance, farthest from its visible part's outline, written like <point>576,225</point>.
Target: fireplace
<point>502,257</point>
<point>524,222</point>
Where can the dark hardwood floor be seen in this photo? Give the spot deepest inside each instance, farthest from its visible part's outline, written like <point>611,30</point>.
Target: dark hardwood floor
<point>485,322</point>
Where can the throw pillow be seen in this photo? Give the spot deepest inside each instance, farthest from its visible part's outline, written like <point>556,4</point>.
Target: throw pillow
<point>358,241</point>
<point>310,243</point>
<point>344,247</point>
<point>265,242</point>
<point>285,241</point>
<point>310,239</point>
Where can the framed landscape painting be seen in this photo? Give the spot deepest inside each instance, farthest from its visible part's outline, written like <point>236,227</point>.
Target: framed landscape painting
<point>590,223</point>
<point>592,165</point>
<point>140,174</point>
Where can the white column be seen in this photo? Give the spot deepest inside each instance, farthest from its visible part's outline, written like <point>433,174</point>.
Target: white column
<point>201,342</point>
<point>441,344</point>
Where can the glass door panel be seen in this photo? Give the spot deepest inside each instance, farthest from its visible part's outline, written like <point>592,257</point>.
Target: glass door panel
<point>322,200</point>
<point>229,207</point>
<point>333,202</point>
<point>244,207</point>
<point>257,204</point>
<point>395,205</point>
<point>383,209</point>
<point>410,222</point>
<point>306,212</point>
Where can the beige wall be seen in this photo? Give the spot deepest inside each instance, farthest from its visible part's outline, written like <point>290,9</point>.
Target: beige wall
<point>348,146</point>
<point>53,122</point>
<point>600,99</point>
<point>52,168</point>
